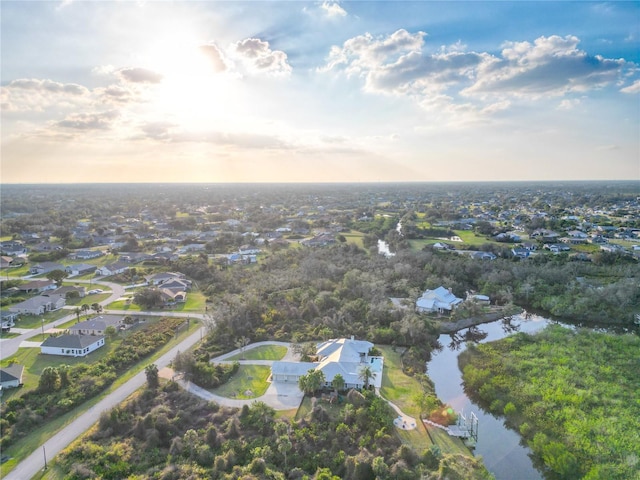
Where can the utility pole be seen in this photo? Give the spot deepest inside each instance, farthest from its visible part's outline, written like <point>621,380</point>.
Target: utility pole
<point>44,452</point>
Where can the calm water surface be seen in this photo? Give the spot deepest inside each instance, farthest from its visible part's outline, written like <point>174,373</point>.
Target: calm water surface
<point>499,446</point>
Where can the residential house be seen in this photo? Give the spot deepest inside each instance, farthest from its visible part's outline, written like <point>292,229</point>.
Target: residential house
<point>97,325</point>
<point>545,235</point>
<point>71,291</point>
<point>134,257</point>
<point>38,286</point>
<point>160,278</point>
<point>12,248</point>
<point>112,269</point>
<point>80,269</point>
<point>343,356</point>
<point>71,345</point>
<point>520,252</point>
<point>483,256</point>
<point>5,261</point>
<point>438,300</point>
<point>11,376</point>
<point>193,247</point>
<point>320,240</point>
<point>86,254</point>
<point>46,247</point>
<point>39,305</point>
<point>45,267</point>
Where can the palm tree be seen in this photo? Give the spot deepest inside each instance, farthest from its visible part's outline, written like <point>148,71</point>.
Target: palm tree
<point>366,374</point>
<point>85,308</point>
<point>77,311</point>
<point>96,307</point>
<point>338,382</point>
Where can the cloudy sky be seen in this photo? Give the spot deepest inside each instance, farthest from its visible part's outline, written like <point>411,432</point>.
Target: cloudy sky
<point>158,91</point>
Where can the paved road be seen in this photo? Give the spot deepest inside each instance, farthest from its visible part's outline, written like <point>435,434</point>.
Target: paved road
<point>35,462</point>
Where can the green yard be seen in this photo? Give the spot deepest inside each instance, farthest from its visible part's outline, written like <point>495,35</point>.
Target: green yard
<point>263,352</point>
<point>399,388</point>
<point>250,381</point>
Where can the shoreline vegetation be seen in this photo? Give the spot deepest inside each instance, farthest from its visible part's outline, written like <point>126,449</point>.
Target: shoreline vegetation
<point>571,394</point>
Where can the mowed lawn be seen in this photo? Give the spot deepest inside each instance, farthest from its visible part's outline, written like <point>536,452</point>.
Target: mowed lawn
<point>250,381</point>
<point>263,352</point>
<point>400,388</point>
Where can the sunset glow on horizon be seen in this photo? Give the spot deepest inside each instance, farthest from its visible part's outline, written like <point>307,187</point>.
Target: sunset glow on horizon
<point>319,91</point>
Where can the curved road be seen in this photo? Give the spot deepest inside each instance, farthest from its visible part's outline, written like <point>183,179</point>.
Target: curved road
<point>35,462</point>
<point>10,346</point>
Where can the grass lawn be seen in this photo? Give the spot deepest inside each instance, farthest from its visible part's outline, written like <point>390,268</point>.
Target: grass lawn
<point>195,303</point>
<point>396,386</point>
<point>25,446</point>
<point>263,352</point>
<point>35,321</point>
<point>305,408</point>
<point>124,305</point>
<point>248,377</point>
<point>399,389</point>
<point>89,299</point>
<point>354,237</point>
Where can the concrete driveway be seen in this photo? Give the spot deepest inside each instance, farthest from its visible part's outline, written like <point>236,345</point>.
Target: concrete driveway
<point>279,396</point>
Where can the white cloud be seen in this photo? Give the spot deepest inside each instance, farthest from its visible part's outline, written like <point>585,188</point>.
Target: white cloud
<point>257,57</point>
<point>215,57</point>
<point>89,121</point>
<point>139,75</point>
<point>568,104</point>
<point>456,81</point>
<point>333,9</point>
<point>633,88</point>
<point>48,86</point>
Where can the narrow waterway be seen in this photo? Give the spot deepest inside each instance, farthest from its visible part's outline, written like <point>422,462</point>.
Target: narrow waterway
<point>499,446</point>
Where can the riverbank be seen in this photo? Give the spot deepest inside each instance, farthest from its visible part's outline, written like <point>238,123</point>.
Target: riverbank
<point>496,314</point>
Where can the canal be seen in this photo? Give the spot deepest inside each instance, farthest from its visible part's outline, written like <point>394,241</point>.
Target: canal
<point>499,446</point>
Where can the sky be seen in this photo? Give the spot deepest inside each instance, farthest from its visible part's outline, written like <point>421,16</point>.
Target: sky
<point>292,91</point>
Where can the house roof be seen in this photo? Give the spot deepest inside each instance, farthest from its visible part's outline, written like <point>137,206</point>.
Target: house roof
<point>292,368</point>
<point>37,284</point>
<point>11,373</point>
<point>72,341</point>
<point>37,302</point>
<point>438,298</point>
<point>343,356</point>
<point>98,323</point>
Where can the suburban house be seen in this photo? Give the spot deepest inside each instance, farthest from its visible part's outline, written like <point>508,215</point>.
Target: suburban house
<point>71,291</point>
<point>97,325</point>
<point>11,376</point>
<point>320,240</point>
<point>160,278</point>
<point>483,256</point>
<point>437,300</point>
<point>12,248</point>
<point>520,252</point>
<point>39,305</point>
<point>5,261</point>
<point>71,345</point>
<point>86,254</point>
<point>112,269</point>
<point>38,286</point>
<point>45,267</point>
<point>341,356</point>
<point>80,269</point>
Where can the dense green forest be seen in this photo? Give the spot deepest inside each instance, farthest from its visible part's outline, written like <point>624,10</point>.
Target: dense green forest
<point>166,433</point>
<point>309,294</point>
<point>573,396</point>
